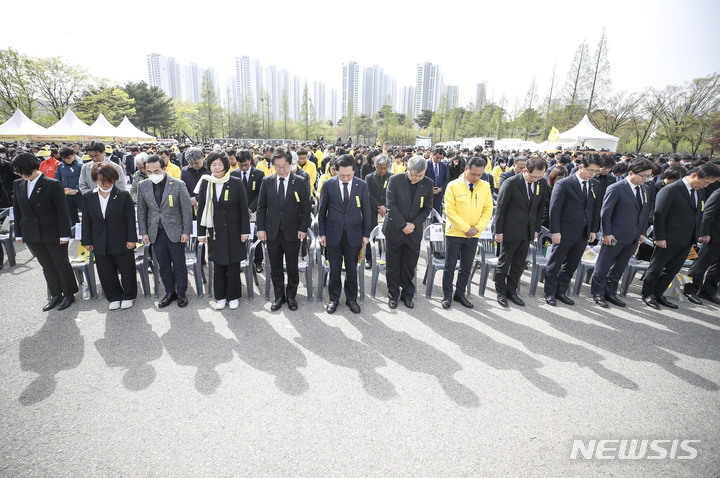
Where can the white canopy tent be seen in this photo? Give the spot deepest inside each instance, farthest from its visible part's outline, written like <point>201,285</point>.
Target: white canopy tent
<point>20,127</point>
<point>584,134</point>
<point>126,131</point>
<point>102,130</point>
<point>69,128</point>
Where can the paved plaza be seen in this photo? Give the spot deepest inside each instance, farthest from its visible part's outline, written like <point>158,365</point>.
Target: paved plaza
<point>404,393</point>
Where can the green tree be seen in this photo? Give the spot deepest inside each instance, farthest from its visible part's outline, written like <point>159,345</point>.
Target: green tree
<point>58,83</point>
<point>424,118</point>
<point>186,120</point>
<point>209,109</point>
<point>17,84</point>
<point>439,118</point>
<point>307,118</point>
<point>153,108</point>
<point>113,102</point>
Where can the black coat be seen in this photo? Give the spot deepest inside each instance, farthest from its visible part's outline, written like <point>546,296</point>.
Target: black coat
<point>377,188</point>
<point>44,216</point>
<point>403,209</point>
<point>109,235</point>
<point>710,225</point>
<point>293,215</point>
<point>516,217</point>
<point>252,189</point>
<point>676,220</point>
<point>231,220</point>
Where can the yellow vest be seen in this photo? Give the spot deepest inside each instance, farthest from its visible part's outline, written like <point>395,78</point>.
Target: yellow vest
<point>465,209</point>
<point>173,170</point>
<point>267,170</point>
<point>310,168</point>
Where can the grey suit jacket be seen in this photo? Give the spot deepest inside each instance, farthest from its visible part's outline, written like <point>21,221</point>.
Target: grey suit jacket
<point>175,211</point>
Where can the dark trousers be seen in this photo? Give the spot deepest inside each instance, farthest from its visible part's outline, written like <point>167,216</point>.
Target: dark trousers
<point>335,255</point>
<point>171,259</point>
<point>258,254</point>
<point>510,267</point>
<point>289,250</point>
<point>124,288</point>
<point>227,281</point>
<point>401,262</point>
<point>438,204</point>
<point>462,248</point>
<point>53,257</point>
<point>75,204</point>
<point>708,260</point>
<point>564,260</point>
<point>609,268</point>
<point>664,266</point>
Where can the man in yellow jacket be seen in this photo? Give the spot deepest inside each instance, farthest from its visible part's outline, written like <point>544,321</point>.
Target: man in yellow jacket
<point>468,207</point>
<point>307,166</point>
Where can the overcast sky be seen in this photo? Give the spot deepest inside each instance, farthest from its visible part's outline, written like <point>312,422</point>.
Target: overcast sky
<point>506,43</point>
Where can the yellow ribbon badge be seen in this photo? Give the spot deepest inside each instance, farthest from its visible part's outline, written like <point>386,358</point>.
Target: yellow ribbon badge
<point>170,200</point>
<point>254,182</point>
<point>357,200</point>
<point>422,201</point>
<point>297,197</point>
<point>226,194</point>
<point>385,185</point>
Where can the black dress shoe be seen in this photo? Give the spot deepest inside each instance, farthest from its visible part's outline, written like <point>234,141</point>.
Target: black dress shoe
<point>651,302</point>
<point>408,303</point>
<point>446,302</point>
<point>600,300</point>
<point>694,299</point>
<point>354,307</point>
<point>331,307</point>
<point>392,303</point>
<point>53,302</point>
<point>368,265</point>
<point>66,302</point>
<point>277,304</point>
<point>167,299</point>
<point>564,299</point>
<point>463,300</point>
<point>516,300</point>
<point>259,268</point>
<point>292,304</point>
<point>182,300</point>
<point>550,299</point>
<point>502,300</point>
<point>710,298</point>
<point>613,299</point>
<point>663,301</point>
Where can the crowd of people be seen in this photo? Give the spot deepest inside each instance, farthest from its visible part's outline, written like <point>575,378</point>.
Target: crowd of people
<point>664,210</point>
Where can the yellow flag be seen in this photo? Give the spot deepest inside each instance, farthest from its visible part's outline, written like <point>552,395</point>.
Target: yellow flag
<point>554,134</point>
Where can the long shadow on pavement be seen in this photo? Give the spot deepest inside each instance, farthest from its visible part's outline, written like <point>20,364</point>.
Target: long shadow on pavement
<point>56,347</point>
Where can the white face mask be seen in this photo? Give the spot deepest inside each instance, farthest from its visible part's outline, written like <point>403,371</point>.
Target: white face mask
<point>156,178</point>
<point>105,190</point>
<point>293,168</point>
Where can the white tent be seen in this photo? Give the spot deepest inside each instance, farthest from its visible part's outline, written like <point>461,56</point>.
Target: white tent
<point>102,130</point>
<point>19,127</point>
<point>584,134</point>
<point>516,144</point>
<point>69,128</point>
<point>126,131</point>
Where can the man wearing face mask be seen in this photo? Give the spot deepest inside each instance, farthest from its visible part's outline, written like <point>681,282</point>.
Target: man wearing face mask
<point>96,151</point>
<point>165,215</point>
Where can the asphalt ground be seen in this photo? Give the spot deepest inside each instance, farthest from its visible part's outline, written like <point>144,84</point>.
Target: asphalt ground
<point>196,392</point>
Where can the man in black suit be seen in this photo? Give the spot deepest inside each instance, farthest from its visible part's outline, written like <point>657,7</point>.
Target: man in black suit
<point>624,220</point>
<point>604,177</point>
<point>409,200</point>
<point>518,167</point>
<point>283,216</point>
<point>252,179</point>
<point>706,286</point>
<point>574,221</point>
<point>518,218</point>
<point>678,215</point>
<point>377,182</point>
<point>42,222</point>
<point>344,222</point>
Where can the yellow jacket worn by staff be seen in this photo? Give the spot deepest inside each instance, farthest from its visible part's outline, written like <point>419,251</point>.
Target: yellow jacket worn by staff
<point>173,171</point>
<point>465,209</point>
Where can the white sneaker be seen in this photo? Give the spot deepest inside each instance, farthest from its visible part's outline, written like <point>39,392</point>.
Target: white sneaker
<point>126,304</point>
<point>115,305</point>
<point>220,304</point>
<point>234,304</point>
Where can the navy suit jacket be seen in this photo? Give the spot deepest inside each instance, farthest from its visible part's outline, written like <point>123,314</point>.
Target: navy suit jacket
<point>620,214</point>
<point>677,221</point>
<point>333,218</point>
<point>569,214</point>
<point>711,218</point>
<point>442,170</point>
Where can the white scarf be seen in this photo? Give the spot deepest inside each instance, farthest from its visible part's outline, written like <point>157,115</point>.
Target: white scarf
<point>206,217</point>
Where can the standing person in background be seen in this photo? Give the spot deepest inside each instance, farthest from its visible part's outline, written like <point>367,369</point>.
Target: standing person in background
<point>468,207</point>
<point>559,172</point>
<point>398,167</point>
<point>308,167</point>
<point>706,286</point>
<point>518,166</point>
<point>438,173</point>
<point>49,163</point>
<point>252,180</point>
<point>96,151</point>
<point>223,217</point>
<point>192,173</point>
<point>500,168</point>
<point>377,182</point>
<point>108,229</point>
<point>68,173</point>
<point>369,166</point>
<point>42,222</point>
<point>456,167</point>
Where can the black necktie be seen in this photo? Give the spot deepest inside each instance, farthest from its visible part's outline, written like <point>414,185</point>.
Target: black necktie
<point>245,174</point>
<point>281,191</point>
<point>472,186</point>
<point>693,198</point>
<point>585,196</point>
<point>346,196</point>
<point>437,175</point>
<point>530,191</point>
<point>638,197</point>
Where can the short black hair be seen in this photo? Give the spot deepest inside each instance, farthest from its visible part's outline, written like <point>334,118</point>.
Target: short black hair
<point>640,165</point>
<point>675,173</point>
<point>218,155</point>
<point>154,158</point>
<point>66,152</point>
<point>343,161</point>
<point>244,155</point>
<point>707,170</point>
<point>25,164</point>
<point>280,153</point>
<point>477,161</point>
<point>535,163</point>
<point>95,146</point>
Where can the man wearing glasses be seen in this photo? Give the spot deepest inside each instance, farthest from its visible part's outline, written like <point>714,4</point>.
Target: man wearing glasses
<point>624,219</point>
<point>574,221</point>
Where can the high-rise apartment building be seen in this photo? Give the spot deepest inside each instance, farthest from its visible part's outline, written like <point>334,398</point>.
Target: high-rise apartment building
<point>249,82</point>
<point>350,87</point>
<point>428,87</point>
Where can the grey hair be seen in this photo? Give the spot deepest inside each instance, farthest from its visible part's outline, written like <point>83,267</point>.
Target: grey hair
<point>417,164</point>
<point>381,159</point>
<point>193,154</point>
<point>140,159</point>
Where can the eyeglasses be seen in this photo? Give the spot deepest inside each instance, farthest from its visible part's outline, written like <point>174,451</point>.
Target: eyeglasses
<point>645,176</point>
<point>594,172</point>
